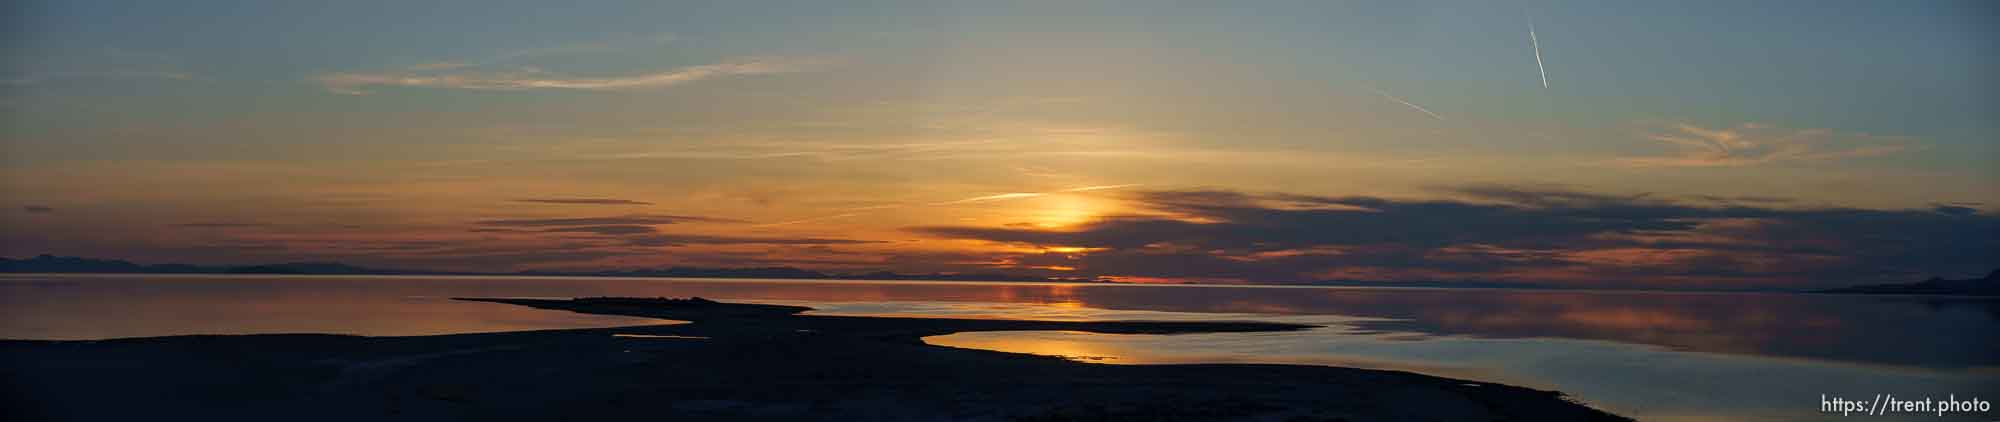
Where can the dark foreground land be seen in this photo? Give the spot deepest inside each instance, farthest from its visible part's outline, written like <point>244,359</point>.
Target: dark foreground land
<point>1988,286</point>
<point>733,362</point>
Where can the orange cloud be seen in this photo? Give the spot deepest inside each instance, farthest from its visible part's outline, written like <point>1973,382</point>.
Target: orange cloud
<point>1754,144</point>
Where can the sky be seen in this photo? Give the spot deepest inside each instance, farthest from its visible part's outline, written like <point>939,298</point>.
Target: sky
<point>1675,144</point>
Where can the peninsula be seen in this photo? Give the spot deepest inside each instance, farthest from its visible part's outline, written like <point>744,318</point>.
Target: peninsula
<point>725,361</point>
<point>1987,286</point>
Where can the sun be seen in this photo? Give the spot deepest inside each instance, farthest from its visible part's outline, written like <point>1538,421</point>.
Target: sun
<point>1063,211</point>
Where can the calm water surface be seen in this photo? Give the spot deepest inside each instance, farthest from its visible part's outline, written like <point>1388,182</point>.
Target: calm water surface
<point>1652,355</point>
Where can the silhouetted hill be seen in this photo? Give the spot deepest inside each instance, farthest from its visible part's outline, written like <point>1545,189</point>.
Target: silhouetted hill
<point>1988,286</point>
<point>68,264</point>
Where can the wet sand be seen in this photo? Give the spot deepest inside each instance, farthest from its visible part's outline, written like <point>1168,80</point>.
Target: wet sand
<point>764,364</point>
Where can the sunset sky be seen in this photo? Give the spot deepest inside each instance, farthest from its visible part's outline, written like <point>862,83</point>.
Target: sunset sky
<point>1676,144</point>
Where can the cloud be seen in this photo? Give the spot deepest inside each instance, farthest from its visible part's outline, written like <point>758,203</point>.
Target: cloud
<point>1031,195</point>
<point>825,151</point>
<point>440,66</point>
<point>601,46</point>
<point>601,221</point>
<point>524,256</point>
<point>853,212</point>
<point>1955,210</point>
<point>644,235</point>
<point>997,197</point>
<point>638,230</point>
<point>44,77</point>
<point>532,78</point>
<point>37,209</point>
<point>208,224</point>
<point>1750,199</point>
<point>611,230</point>
<point>1505,233</point>
<point>1754,144</point>
<point>689,239</point>
<point>584,201</point>
<point>99,65</point>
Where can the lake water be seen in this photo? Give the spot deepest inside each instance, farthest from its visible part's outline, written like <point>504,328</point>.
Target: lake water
<point>1651,355</point>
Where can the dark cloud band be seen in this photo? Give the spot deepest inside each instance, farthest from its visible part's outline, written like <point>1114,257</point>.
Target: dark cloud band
<point>1508,233</point>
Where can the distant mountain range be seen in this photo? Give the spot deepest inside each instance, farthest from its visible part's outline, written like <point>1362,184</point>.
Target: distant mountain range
<point>1989,286</point>
<point>66,264</point>
<point>70,264</point>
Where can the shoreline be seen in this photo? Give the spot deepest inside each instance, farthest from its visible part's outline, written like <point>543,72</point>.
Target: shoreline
<point>724,364</point>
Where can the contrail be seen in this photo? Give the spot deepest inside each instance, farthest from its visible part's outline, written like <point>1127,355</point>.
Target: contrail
<point>1019,195</point>
<point>1015,195</point>
<point>1538,52</point>
<point>787,223</point>
<point>1101,187</point>
<point>1407,103</point>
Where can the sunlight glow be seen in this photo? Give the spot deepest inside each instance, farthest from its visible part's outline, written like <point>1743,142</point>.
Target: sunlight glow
<point>1064,211</point>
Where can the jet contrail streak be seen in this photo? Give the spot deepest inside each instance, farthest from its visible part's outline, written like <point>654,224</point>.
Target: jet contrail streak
<point>1538,53</point>
<point>1103,187</point>
<point>787,223</point>
<point>1407,103</point>
<point>1015,195</point>
<point>1019,195</point>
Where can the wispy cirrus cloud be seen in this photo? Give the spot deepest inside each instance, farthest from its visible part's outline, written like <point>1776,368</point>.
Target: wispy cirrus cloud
<point>528,54</point>
<point>220,224</point>
<point>608,230</point>
<point>104,64</point>
<point>646,235</point>
<point>1754,144</point>
<point>764,150</point>
<point>37,78</point>
<point>583,201</point>
<point>691,239</point>
<point>1025,195</point>
<point>605,221</point>
<point>359,83</point>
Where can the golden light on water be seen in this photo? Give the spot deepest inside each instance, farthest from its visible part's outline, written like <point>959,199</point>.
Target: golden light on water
<point>1063,344</point>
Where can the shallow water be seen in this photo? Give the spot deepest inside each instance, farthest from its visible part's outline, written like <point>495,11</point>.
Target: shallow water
<point>1653,355</point>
